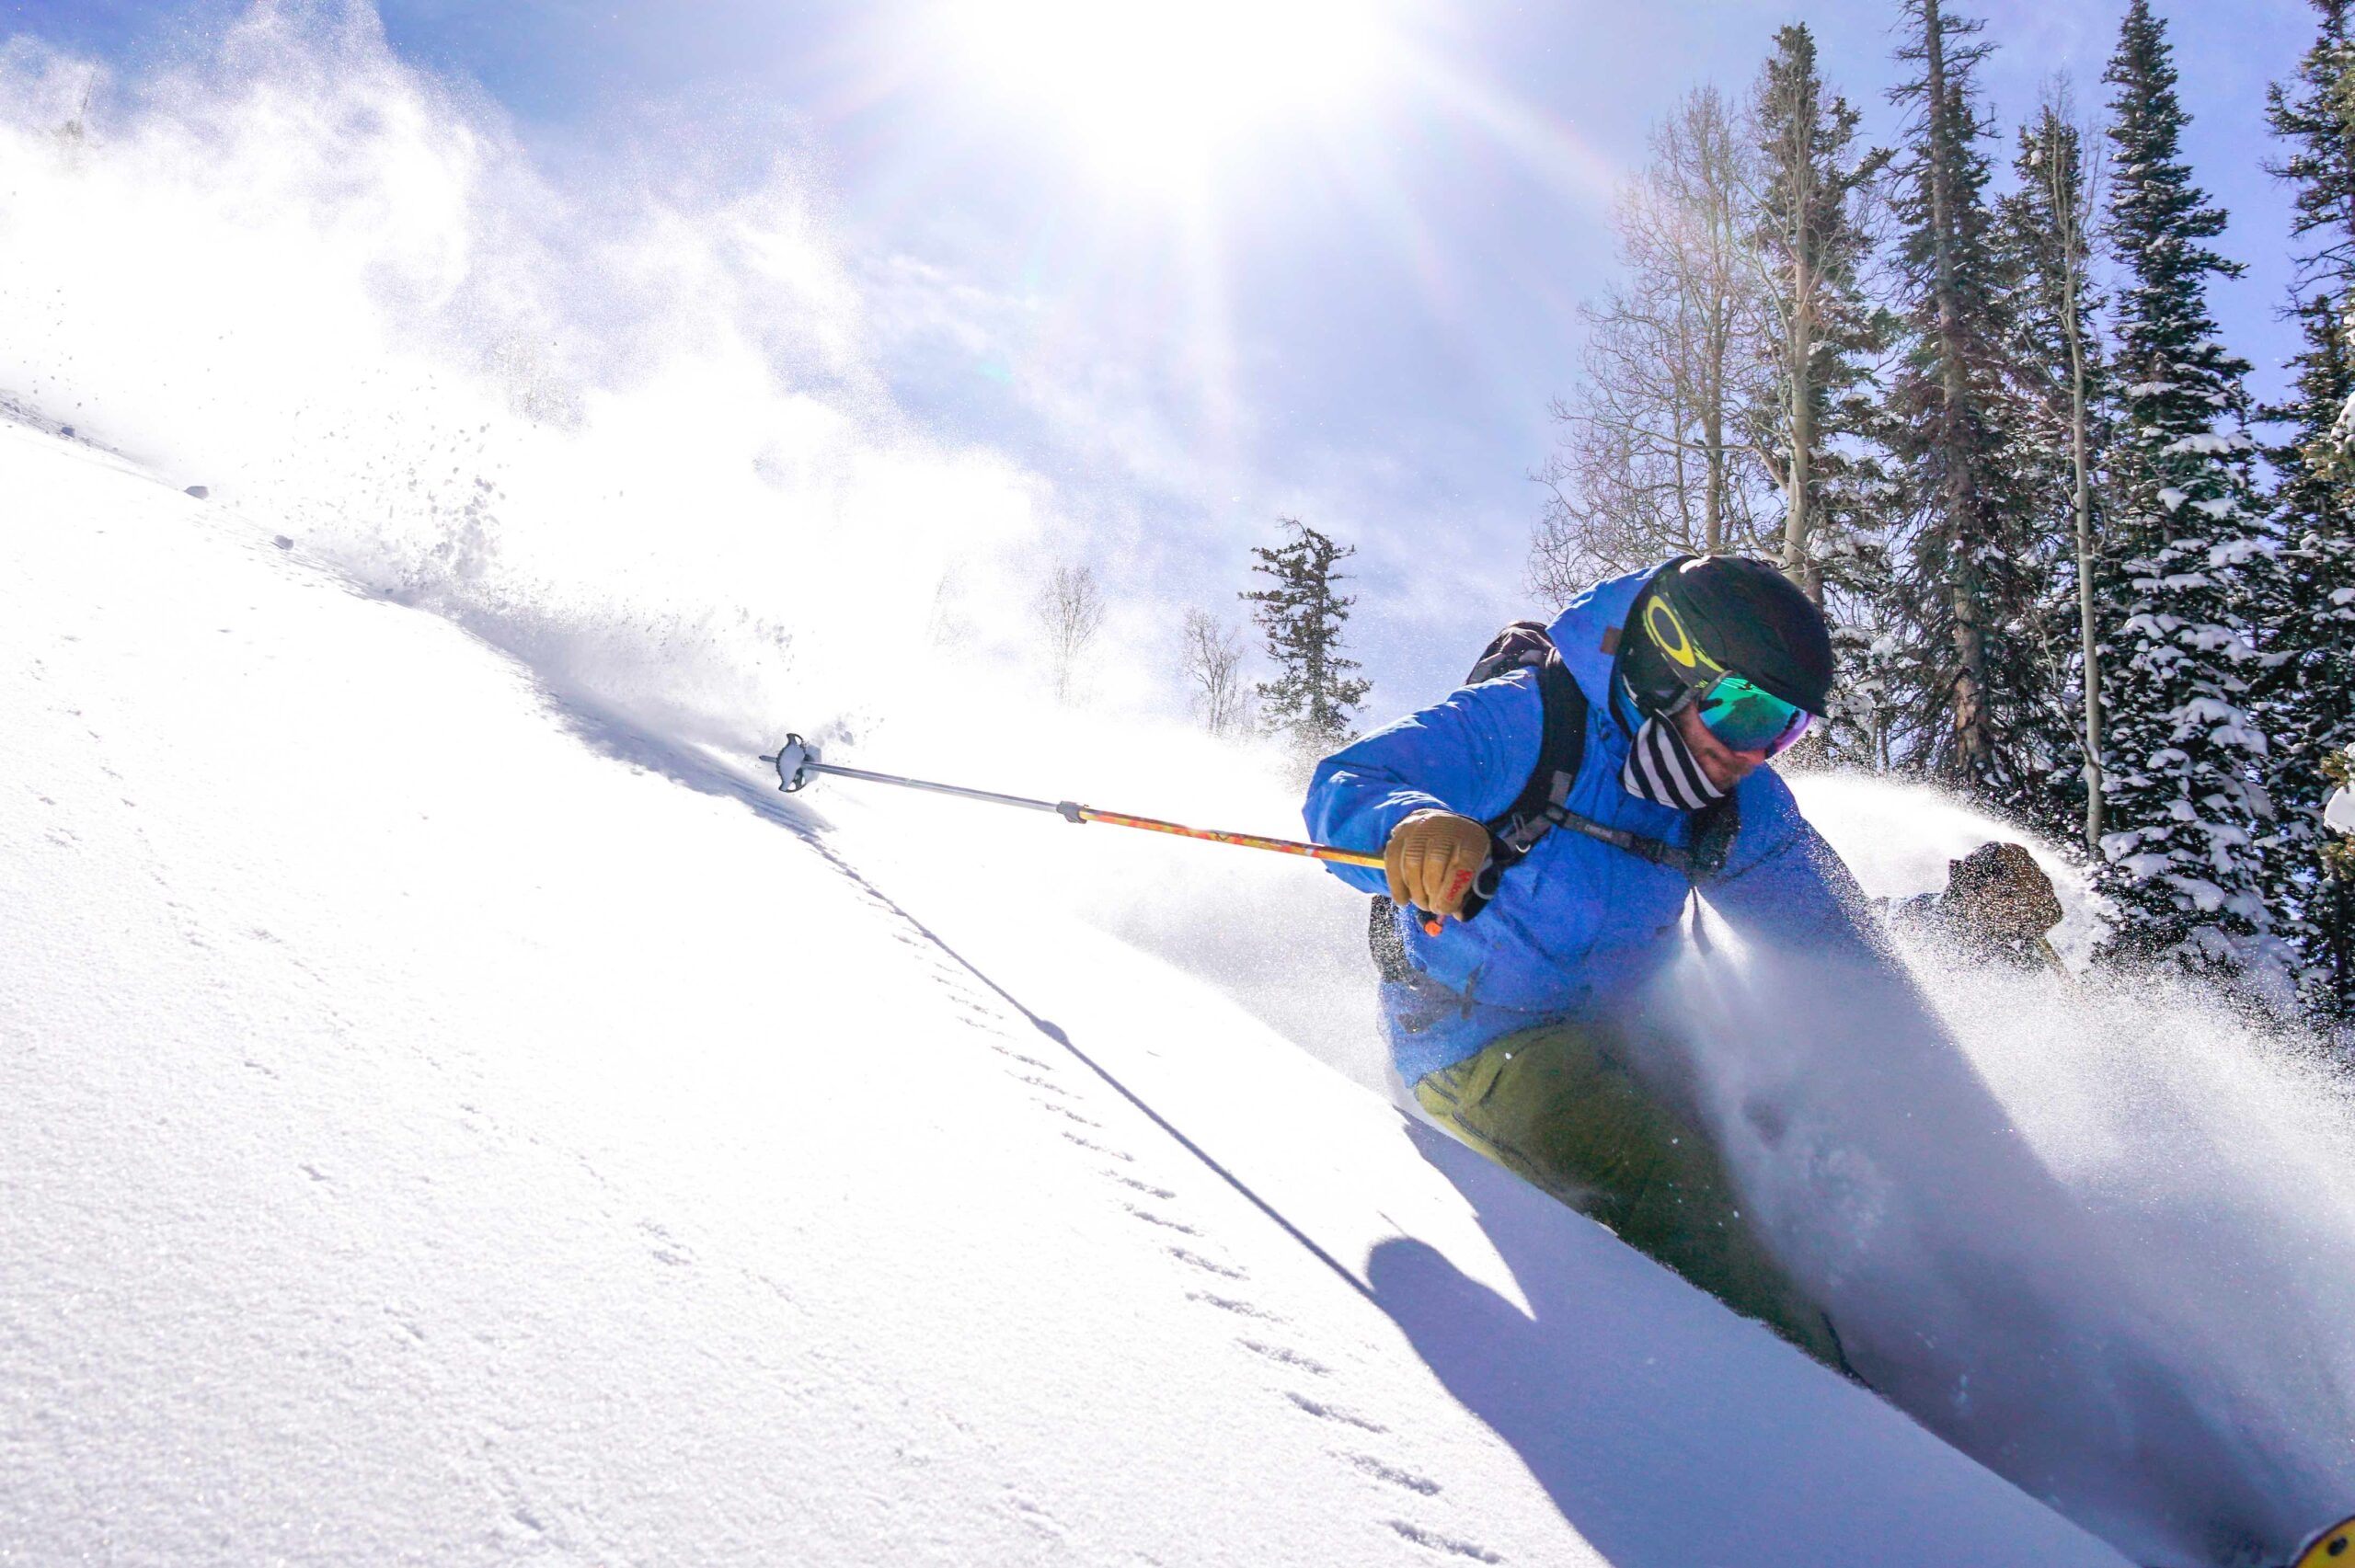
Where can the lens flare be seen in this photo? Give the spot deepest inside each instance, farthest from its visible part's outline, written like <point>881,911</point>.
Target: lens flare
<point>1159,90</point>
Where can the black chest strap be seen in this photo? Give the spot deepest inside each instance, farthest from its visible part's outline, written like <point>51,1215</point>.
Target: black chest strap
<point>1544,804</point>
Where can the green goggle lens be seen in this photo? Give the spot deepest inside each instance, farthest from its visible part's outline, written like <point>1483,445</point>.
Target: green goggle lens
<point>1750,718</point>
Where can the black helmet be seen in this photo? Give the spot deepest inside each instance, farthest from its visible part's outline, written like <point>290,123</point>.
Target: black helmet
<point>1739,615</point>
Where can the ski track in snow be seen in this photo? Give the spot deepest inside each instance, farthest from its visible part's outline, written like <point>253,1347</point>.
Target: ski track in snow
<point>425,1142</point>
<point>1026,1046</point>
<point>1013,1024</point>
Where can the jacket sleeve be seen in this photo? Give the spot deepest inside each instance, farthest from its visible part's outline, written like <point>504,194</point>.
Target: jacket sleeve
<point>1470,754</point>
<point>1784,886</point>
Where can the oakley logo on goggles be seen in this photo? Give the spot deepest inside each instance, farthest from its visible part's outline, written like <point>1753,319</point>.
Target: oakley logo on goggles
<point>1740,713</point>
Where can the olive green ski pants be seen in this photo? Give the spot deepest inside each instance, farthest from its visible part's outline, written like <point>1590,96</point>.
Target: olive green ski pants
<point>1558,1107</point>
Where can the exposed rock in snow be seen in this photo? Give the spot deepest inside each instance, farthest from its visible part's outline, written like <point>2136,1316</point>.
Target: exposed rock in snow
<point>2339,811</point>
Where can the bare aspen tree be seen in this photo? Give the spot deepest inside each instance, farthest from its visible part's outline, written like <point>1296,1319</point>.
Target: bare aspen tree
<point>1212,661</point>
<point>76,130</point>
<point>948,626</point>
<point>1070,608</point>
<point>2057,386</point>
<point>2073,191</point>
<point>1657,454</point>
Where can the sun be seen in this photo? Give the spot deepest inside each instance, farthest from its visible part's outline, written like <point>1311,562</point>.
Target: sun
<point>1153,90</point>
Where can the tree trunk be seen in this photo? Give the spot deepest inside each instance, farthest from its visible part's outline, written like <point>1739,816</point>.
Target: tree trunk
<point>1972,742</point>
<point>1797,564</point>
<point>2068,212</point>
<point>1800,118</point>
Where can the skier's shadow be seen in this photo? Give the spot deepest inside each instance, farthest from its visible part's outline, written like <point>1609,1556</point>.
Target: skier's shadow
<point>1666,1429</point>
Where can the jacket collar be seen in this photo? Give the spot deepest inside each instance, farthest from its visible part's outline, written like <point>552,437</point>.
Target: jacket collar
<point>1588,632</point>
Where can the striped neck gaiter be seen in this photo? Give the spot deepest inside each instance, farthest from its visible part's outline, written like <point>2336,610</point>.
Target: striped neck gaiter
<point>1660,769</point>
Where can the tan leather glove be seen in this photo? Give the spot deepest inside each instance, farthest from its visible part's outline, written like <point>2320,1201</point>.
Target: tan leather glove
<point>1431,860</point>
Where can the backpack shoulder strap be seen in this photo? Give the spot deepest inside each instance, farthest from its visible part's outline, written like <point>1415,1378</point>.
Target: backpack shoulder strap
<point>1545,796</point>
<point>1544,802</point>
<point>1560,753</point>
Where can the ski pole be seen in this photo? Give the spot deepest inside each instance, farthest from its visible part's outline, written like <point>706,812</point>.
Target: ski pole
<point>797,759</point>
<point>2052,959</point>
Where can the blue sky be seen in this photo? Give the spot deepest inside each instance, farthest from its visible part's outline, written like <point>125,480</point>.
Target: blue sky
<point>1358,315</point>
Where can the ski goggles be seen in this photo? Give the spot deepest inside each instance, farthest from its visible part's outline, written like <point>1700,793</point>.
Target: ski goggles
<point>1741,714</point>
<point>1747,717</point>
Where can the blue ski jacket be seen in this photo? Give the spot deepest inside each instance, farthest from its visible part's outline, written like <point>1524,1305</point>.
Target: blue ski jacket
<point>1578,926</point>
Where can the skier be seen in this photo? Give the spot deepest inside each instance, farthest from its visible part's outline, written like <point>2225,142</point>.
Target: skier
<point>1541,831</point>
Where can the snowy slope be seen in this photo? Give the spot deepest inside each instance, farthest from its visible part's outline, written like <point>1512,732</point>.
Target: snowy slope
<point>445,1125</point>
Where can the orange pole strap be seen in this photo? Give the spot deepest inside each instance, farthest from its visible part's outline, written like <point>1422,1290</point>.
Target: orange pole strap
<point>1243,841</point>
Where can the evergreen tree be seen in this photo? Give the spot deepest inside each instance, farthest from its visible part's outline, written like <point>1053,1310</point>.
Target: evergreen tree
<point>2188,554</point>
<point>1313,698</point>
<point>2043,244</point>
<point>2310,708</point>
<point>1825,333</point>
<point>2332,905</point>
<point>2310,115</point>
<point>1971,690</point>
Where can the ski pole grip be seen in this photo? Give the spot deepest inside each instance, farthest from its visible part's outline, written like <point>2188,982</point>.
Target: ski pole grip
<point>1484,888</point>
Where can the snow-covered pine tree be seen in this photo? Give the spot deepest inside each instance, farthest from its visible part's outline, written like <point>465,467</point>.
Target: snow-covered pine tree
<point>2309,710</point>
<point>1970,689</point>
<point>1313,697</point>
<point>2190,555</point>
<point>2332,905</point>
<point>1825,335</point>
<point>2043,241</point>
